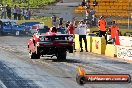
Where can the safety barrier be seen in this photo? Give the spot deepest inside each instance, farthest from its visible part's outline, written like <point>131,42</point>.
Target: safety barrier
<point>98,45</point>
<point>111,50</point>
<point>123,32</point>
<point>125,41</point>
<point>94,44</point>
<point>77,44</point>
<point>124,52</point>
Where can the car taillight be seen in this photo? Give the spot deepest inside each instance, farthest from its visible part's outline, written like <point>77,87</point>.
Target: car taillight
<point>42,38</point>
<point>69,38</point>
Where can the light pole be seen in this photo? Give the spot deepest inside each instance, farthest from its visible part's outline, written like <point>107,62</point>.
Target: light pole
<point>128,14</point>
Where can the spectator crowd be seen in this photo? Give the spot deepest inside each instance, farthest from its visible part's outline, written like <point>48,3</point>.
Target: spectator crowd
<point>72,28</point>
<point>15,13</point>
<point>82,29</point>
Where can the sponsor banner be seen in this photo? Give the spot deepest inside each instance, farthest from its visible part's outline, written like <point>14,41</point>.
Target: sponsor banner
<point>125,41</point>
<point>83,78</point>
<point>124,52</point>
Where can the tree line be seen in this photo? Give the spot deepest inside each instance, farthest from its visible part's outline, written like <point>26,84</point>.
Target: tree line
<point>31,3</point>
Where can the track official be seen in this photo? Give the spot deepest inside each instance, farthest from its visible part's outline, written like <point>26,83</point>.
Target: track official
<point>102,26</point>
<point>82,32</point>
<point>114,30</point>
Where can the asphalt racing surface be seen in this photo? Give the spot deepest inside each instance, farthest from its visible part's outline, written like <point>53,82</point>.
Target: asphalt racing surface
<point>17,70</point>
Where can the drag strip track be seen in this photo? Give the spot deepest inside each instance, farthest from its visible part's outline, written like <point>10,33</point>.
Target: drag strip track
<point>11,80</point>
<point>20,72</point>
<point>64,70</point>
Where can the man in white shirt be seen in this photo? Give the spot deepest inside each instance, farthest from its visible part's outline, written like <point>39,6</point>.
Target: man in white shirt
<point>82,32</point>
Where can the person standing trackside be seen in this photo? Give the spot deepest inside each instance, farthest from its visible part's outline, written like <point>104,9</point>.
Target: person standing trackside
<point>3,12</point>
<point>8,10</point>
<point>83,3</point>
<point>1,26</point>
<point>82,32</point>
<point>114,29</point>
<point>29,14</point>
<point>71,30</point>
<point>19,13</point>
<point>102,27</point>
<point>15,12</point>
<point>54,20</point>
<point>60,21</point>
<point>67,24</point>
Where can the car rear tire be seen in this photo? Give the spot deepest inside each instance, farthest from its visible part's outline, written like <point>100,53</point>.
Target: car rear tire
<point>34,56</point>
<point>61,55</point>
<point>37,56</point>
<point>0,33</point>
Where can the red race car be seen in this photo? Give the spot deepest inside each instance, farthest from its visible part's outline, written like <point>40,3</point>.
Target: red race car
<point>50,43</point>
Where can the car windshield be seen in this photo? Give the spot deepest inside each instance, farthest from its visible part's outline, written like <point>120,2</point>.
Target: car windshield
<point>6,23</point>
<point>13,23</point>
<point>9,23</point>
<point>61,30</point>
<point>44,30</point>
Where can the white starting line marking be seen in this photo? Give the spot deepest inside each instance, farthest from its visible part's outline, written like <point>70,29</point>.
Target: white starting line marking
<point>2,85</point>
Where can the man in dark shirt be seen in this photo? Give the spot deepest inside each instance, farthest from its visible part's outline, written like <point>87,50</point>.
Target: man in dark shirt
<point>54,19</point>
<point>83,3</point>
<point>1,26</point>
<point>8,9</point>
<point>60,21</point>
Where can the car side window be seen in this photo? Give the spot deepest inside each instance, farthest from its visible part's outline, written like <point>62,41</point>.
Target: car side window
<point>5,24</point>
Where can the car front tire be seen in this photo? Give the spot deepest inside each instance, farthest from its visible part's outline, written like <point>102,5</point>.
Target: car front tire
<point>34,56</point>
<point>17,33</point>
